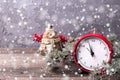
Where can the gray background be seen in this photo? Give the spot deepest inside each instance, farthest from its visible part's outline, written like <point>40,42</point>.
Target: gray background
<point>20,19</point>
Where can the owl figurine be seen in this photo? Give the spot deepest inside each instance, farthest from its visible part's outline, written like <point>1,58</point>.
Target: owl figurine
<point>50,40</point>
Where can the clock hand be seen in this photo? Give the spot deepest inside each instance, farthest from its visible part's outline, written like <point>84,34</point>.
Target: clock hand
<point>91,50</point>
<point>92,53</point>
<point>88,49</point>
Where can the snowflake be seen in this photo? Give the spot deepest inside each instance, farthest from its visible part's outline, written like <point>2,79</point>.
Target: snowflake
<point>31,28</point>
<point>43,58</point>
<point>66,67</point>
<point>18,10</point>
<point>25,23</point>
<point>5,39</point>
<point>15,78</point>
<point>23,52</point>
<point>64,74</point>
<point>76,73</point>
<point>107,72</point>
<point>108,24</point>
<point>44,74</point>
<point>83,29</point>
<point>60,32</point>
<point>108,35</point>
<point>20,23</point>
<point>96,16</point>
<point>72,31</point>
<point>82,18</point>
<point>96,9</point>
<point>30,77</point>
<point>116,43</point>
<point>111,9</point>
<point>69,21</point>
<point>28,58</point>
<point>14,1</point>
<point>79,70</point>
<point>4,1</point>
<point>47,3</point>
<point>35,4</point>
<point>109,29</point>
<point>107,5</point>
<point>41,76</point>
<point>48,63</point>
<point>77,17</point>
<point>41,9</point>
<point>8,18</point>
<point>11,26</point>
<point>3,69</point>
<point>112,69</point>
<point>22,18</point>
<point>12,41</point>
<point>83,10</point>
<point>33,61</point>
<point>21,14</point>
<point>81,75</point>
<point>64,7</point>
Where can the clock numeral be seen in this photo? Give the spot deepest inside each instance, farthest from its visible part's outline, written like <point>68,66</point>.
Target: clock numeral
<point>93,40</point>
<point>83,45</point>
<point>105,48</point>
<point>97,64</point>
<point>106,54</point>
<point>79,45</point>
<point>84,62</point>
<point>78,50</point>
<point>81,58</point>
<point>91,66</point>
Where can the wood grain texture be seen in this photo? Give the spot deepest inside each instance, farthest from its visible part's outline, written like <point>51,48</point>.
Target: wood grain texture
<point>25,64</point>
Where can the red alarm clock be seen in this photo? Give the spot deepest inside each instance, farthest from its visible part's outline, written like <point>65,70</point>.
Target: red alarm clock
<point>91,51</point>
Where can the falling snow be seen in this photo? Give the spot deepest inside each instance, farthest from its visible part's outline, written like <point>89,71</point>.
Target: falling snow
<point>20,19</point>
<point>27,17</point>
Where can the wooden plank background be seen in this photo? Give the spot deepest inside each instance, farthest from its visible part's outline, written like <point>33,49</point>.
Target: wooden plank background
<point>25,64</point>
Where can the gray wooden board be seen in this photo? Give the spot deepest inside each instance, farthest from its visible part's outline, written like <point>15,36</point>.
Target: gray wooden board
<point>31,66</point>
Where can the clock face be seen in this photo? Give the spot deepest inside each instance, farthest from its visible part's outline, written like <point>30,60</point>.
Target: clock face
<point>92,52</point>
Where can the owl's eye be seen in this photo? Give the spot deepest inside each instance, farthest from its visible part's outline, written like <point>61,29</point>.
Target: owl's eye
<point>52,34</point>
